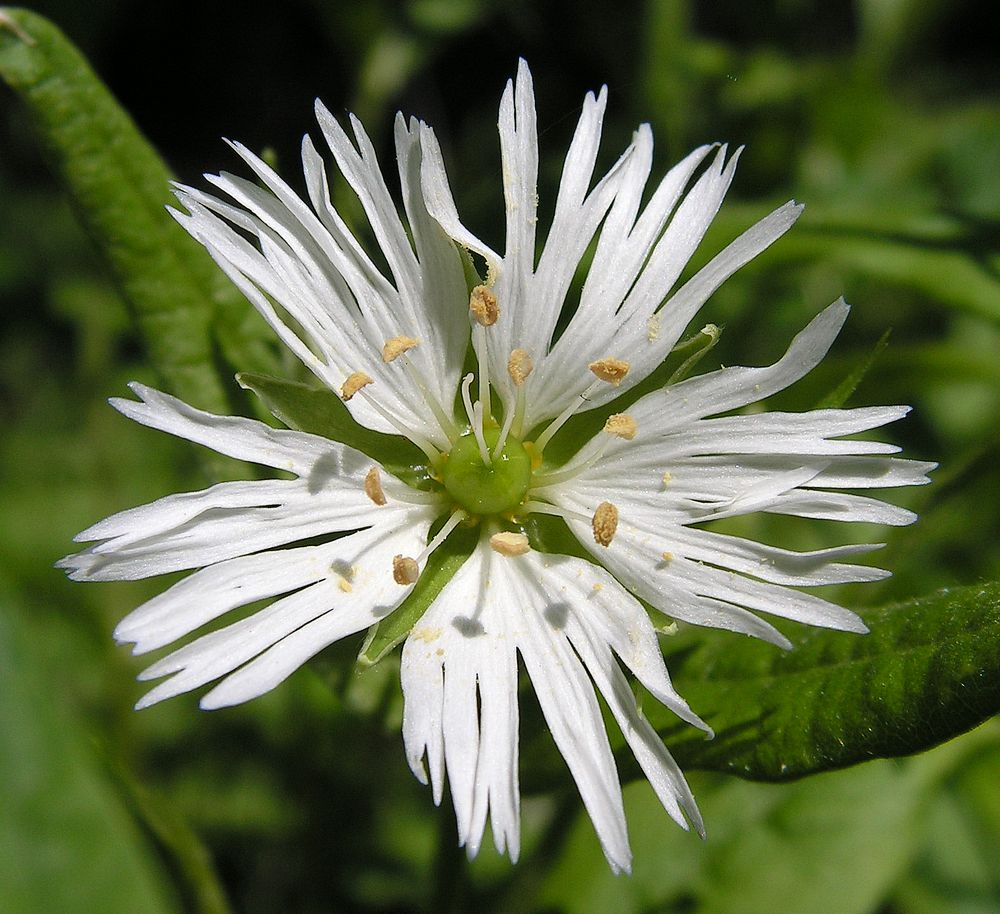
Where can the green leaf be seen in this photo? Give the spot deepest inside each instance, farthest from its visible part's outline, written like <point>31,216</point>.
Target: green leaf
<point>440,568</point>
<point>925,674</point>
<point>119,187</point>
<point>321,412</point>
<point>67,842</point>
<point>842,392</point>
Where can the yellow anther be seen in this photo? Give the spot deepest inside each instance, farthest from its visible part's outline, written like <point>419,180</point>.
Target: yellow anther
<point>611,370</point>
<point>667,479</point>
<point>621,426</point>
<point>404,570</point>
<point>395,347</point>
<point>667,556</point>
<point>483,305</point>
<point>519,366</point>
<point>353,384</point>
<point>653,328</point>
<point>509,544</point>
<point>373,486</point>
<point>605,523</point>
<point>345,585</point>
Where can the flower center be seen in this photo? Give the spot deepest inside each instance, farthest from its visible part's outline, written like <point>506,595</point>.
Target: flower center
<point>482,489</point>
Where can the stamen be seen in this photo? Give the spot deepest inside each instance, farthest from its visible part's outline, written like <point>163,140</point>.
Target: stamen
<point>611,370</point>
<point>510,544</point>
<point>557,423</point>
<point>519,366</point>
<point>373,487</point>
<point>475,414</point>
<point>353,384</point>
<point>477,430</point>
<point>483,305</point>
<point>444,420</point>
<point>457,516</point>
<point>667,556</point>
<point>604,523</point>
<point>433,454</point>
<point>667,479</point>
<point>621,426</point>
<point>395,347</point>
<point>543,507</point>
<point>479,332</point>
<point>404,570</point>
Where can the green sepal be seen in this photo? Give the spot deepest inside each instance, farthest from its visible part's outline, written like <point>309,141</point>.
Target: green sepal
<point>438,570</point>
<point>186,309</point>
<point>321,412</point>
<point>674,368</point>
<point>837,397</point>
<point>925,674</point>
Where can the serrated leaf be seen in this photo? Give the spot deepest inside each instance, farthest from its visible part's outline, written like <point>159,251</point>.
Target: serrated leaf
<point>440,568</point>
<point>321,412</point>
<point>926,673</point>
<point>120,187</point>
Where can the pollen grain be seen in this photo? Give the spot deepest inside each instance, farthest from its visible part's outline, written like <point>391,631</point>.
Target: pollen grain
<point>621,425</point>
<point>404,570</point>
<point>353,384</point>
<point>611,370</point>
<point>605,523</point>
<point>484,307</point>
<point>509,544</point>
<point>395,347</point>
<point>373,486</point>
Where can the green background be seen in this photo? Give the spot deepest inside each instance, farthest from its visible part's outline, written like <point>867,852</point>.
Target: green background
<point>879,115</point>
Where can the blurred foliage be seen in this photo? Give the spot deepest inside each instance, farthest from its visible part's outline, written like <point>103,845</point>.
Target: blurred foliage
<point>881,115</point>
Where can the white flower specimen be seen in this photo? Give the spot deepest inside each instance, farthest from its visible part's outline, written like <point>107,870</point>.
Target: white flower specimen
<point>635,486</point>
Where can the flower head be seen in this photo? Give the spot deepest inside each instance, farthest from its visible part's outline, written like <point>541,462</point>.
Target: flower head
<point>552,423</point>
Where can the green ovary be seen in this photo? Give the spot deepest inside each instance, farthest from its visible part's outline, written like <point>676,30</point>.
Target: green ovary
<point>482,489</point>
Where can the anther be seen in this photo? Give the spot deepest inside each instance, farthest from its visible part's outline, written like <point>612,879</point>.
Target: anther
<point>353,384</point>
<point>483,305</point>
<point>373,486</point>
<point>611,370</point>
<point>509,544</point>
<point>621,426</point>
<point>667,556</point>
<point>404,570</point>
<point>604,523</point>
<point>395,347</point>
<point>667,479</point>
<point>519,366</point>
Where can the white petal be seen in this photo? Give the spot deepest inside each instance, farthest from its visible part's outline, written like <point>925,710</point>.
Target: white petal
<point>462,640</point>
<point>302,632</point>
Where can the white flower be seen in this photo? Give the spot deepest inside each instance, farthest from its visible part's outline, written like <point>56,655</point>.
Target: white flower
<point>393,344</point>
